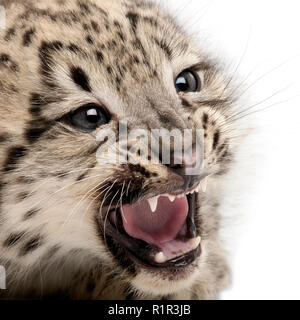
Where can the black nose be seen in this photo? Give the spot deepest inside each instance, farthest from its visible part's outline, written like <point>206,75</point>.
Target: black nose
<point>188,166</point>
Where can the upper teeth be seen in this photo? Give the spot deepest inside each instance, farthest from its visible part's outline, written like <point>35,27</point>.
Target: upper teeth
<point>171,197</point>
<point>153,201</point>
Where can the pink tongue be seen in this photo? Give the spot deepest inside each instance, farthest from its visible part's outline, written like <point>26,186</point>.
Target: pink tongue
<point>157,227</point>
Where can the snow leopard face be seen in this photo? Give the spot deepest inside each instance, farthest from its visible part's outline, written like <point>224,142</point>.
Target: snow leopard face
<point>74,224</point>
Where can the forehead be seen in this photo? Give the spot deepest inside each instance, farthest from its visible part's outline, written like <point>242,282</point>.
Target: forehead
<point>119,34</point>
<point>112,48</point>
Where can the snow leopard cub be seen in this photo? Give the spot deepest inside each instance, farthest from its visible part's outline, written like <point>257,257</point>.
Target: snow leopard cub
<point>72,225</point>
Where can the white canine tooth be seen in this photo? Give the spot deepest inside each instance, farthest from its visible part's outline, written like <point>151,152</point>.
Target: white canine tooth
<point>153,203</point>
<point>171,197</point>
<point>204,184</point>
<point>195,242</point>
<point>160,258</point>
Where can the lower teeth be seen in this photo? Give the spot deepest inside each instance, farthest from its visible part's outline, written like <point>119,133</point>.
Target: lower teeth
<point>192,244</point>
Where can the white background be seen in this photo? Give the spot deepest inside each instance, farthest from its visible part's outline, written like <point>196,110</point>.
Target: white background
<point>260,37</point>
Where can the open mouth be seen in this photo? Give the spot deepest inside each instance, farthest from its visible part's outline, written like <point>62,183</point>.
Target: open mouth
<point>159,232</point>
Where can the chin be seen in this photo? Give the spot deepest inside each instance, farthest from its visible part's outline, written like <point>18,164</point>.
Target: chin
<point>166,283</point>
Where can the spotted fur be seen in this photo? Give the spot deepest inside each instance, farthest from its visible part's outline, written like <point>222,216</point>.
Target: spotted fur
<point>56,56</point>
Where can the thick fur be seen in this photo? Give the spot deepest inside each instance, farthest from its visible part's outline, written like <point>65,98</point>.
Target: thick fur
<point>127,54</point>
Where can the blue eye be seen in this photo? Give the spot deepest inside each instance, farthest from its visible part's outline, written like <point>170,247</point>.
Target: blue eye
<point>187,81</point>
<point>89,117</point>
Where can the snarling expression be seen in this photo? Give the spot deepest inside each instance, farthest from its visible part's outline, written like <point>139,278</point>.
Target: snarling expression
<point>83,67</point>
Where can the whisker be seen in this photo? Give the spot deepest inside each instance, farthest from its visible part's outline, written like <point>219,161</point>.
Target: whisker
<point>107,211</point>
<point>239,63</point>
<point>265,108</point>
<point>105,196</point>
<point>121,197</point>
<point>231,118</point>
<point>63,188</point>
<point>58,176</point>
<point>95,189</point>
<point>97,197</point>
<point>267,73</point>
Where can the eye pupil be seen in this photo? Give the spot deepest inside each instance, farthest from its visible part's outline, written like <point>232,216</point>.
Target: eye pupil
<point>182,84</point>
<point>92,115</point>
<point>187,81</point>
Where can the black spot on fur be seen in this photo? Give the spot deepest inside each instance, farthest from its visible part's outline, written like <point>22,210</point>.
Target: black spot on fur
<point>165,47</point>
<point>80,78</point>
<point>185,103</point>
<point>13,239</point>
<point>82,176</point>
<point>22,196</point>
<point>133,19</point>
<point>86,27</point>
<point>37,102</point>
<point>117,24</point>
<point>221,148</point>
<point>225,156</point>
<point>95,26</point>
<point>7,62</point>
<point>11,32</point>
<point>25,180</point>
<point>216,139</point>
<point>3,137</point>
<point>45,54</point>
<point>152,21</point>
<point>140,169</point>
<point>47,48</point>
<point>36,128</point>
<point>111,45</point>
<point>99,56</point>
<point>31,245</point>
<point>27,37</point>
<point>204,121</point>
<point>137,44</point>
<point>121,36</point>
<point>83,7</point>
<point>74,48</point>
<point>89,39</point>
<point>109,70</point>
<point>14,155</point>
<point>99,10</point>
<point>30,214</point>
